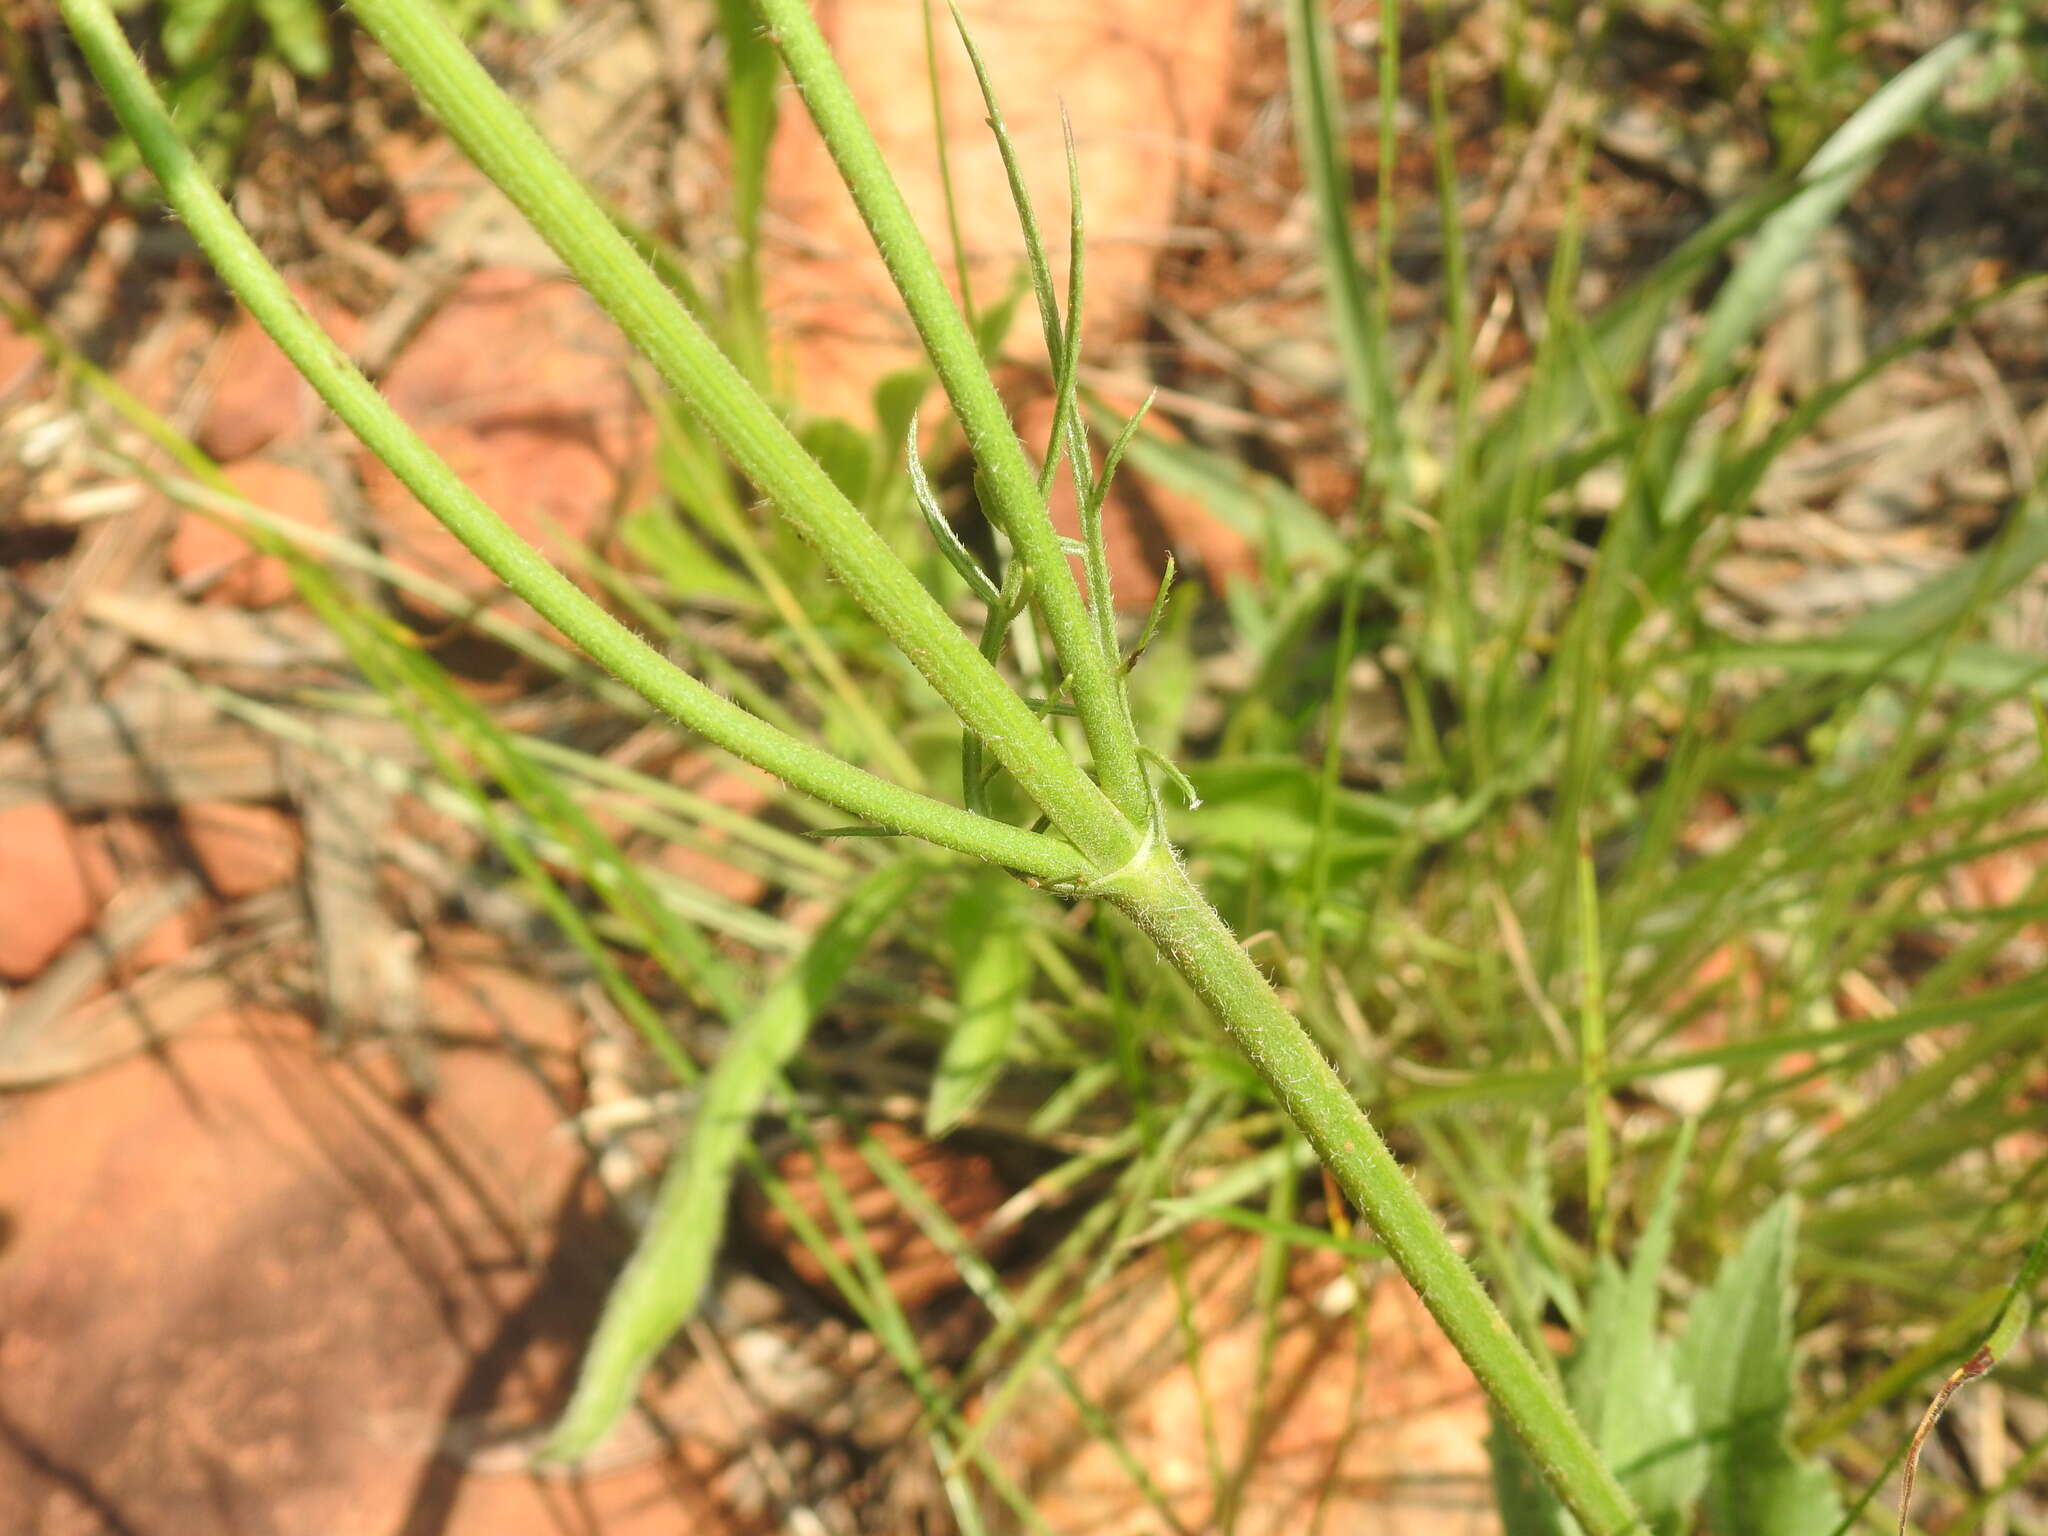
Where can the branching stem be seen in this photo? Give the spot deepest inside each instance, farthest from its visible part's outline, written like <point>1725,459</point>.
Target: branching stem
<point>1116,853</point>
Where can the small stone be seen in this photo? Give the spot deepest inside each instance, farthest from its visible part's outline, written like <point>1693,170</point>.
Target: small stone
<point>167,943</point>
<point>203,552</point>
<point>52,883</point>
<point>241,849</point>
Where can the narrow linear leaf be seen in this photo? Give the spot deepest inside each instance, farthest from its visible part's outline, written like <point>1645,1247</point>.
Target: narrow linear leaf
<point>194,28</point>
<point>1153,619</point>
<point>298,30</point>
<point>942,531</point>
<point>661,1284</point>
<point>1837,169</point>
<point>1319,132</point>
<point>992,970</point>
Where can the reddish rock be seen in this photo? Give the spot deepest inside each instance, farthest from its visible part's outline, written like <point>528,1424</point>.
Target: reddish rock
<point>125,855</point>
<point>519,382</point>
<point>259,398</point>
<point>241,849</point>
<point>429,176</point>
<point>246,1288</point>
<point>18,355</point>
<point>52,884</point>
<point>167,943</point>
<point>204,553</point>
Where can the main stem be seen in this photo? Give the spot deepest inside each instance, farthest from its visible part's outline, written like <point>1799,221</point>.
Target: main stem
<point>1158,896</point>
<point>497,136</point>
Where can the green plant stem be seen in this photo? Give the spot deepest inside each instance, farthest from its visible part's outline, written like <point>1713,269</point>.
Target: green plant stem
<point>496,135</point>
<point>517,563</point>
<point>1156,894</point>
<point>956,359</point>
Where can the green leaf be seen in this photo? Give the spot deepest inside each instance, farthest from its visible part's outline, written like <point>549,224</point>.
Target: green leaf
<point>663,1281</point>
<point>193,29</point>
<point>1624,1379</point>
<point>1970,667</point>
<point>844,451</point>
<point>751,69</point>
<point>1162,685</point>
<point>1623,1383</point>
<point>897,396</point>
<point>687,569</point>
<point>1526,1504</point>
<point>1354,310</point>
<point>298,31</point>
<point>1737,1358</point>
<point>1272,805</point>
<point>992,973</point>
<point>1835,172</point>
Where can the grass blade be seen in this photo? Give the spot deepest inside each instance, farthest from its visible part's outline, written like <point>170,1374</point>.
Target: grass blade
<point>1837,169</point>
<point>1319,132</point>
<point>992,975</point>
<point>661,1284</point>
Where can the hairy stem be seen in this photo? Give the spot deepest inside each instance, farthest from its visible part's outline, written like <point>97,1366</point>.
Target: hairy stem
<point>1156,894</point>
<point>1098,698</point>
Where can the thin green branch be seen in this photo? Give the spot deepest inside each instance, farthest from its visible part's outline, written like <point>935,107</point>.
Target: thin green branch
<point>514,561</point>
<point>957,361</point>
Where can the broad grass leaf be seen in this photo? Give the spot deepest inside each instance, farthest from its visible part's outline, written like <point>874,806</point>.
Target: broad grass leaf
<point>663,1281</point>
<point>1837,169</point>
